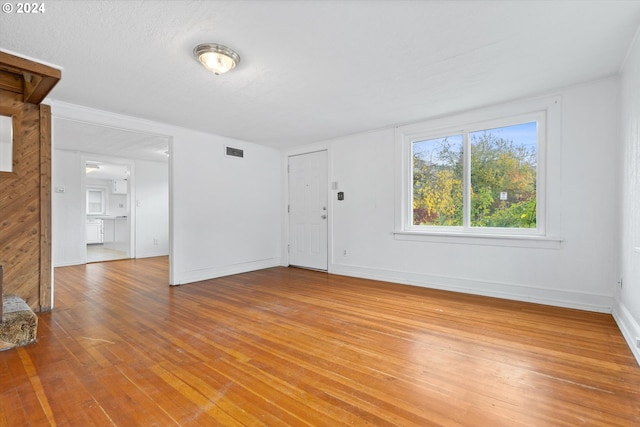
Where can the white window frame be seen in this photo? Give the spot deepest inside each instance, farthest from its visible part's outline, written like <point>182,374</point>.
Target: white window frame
<point>545,111</point>
<point>103,199</point>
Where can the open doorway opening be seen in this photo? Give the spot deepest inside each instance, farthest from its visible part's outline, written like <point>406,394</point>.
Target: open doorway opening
<point>110,193</point>
<point>108,210</point>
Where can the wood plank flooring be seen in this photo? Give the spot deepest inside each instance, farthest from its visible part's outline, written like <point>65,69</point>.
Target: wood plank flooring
<point>290,347</point>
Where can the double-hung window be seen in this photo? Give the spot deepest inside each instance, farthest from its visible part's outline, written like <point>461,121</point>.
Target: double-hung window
<point>96,201</point>
<point>477,176</point>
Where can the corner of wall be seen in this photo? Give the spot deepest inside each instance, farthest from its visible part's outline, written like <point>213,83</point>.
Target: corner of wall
<point>222,271</point>
<point>628,326</point>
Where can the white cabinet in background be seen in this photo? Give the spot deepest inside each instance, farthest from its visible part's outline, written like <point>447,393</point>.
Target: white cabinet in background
<point>95,231</point>
<point>108,231</point>
<point>119,186</point>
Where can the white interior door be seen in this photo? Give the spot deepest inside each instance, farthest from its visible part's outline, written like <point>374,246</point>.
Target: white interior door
<point>308,210</point>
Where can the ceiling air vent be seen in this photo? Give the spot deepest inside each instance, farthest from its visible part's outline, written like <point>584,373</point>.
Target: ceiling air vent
<point>234,152</point>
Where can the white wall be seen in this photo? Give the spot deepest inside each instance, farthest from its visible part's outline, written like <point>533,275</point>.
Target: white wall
<point>152,209</point>
<point>627,308</point>
<point>227,210</point>
<point>581,272</point>
<point>68,217</point>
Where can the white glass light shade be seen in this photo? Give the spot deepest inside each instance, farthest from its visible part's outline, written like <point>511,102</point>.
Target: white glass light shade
<point>216,58</point>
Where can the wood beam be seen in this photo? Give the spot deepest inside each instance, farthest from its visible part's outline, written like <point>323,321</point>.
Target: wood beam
<point>45,208</point>
<point>37,80</point>
<point>11,82</point>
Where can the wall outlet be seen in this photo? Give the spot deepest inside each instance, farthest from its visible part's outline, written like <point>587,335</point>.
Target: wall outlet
<point>344,253</point>
<point>155,241</point>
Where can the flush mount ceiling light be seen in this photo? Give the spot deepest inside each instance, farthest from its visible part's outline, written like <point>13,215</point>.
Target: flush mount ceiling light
<point>216,58</point>
<point>90,167</point>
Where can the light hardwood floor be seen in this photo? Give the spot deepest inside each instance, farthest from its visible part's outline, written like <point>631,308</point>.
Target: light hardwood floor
<point>99,253</point>
<point>290,347</point>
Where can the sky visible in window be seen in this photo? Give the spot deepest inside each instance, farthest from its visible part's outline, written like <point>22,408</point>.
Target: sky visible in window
<point>523,134</point>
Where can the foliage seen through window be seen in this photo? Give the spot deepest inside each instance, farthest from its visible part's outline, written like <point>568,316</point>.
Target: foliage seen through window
<point>502,184</point>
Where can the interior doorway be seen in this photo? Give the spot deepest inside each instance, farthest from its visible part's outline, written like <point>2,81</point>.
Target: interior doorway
<point>108,210</point>
<point>110,193</point>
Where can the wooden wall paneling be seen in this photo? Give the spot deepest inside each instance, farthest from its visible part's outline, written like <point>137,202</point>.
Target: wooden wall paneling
<point>1,274</point>
<point>45,208</point>
<point>20,208</point>
<point>25,193</point>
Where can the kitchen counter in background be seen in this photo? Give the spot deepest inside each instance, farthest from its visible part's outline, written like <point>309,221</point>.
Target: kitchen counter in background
<point>107,217</point>
<point>107,229</point>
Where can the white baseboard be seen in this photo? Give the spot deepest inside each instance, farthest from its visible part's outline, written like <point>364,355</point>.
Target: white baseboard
<point>69,263</point>
<point>559,298</point>
<point>152,254</point>
<point>628,326</point>
<point>227,270</point>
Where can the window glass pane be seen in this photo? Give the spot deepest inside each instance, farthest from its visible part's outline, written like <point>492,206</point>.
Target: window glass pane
<point>503,176</point>
<point>437,181</point>
<point>95,201</point>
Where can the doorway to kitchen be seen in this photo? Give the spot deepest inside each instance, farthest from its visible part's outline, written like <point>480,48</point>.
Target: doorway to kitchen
<point>108,210</point>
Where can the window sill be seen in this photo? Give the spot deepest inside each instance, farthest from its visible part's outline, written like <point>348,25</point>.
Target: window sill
<point>538,242</point>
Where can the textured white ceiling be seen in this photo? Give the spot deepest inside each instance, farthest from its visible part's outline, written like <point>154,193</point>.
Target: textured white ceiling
<point>90,138</point>
<point>313,70</point>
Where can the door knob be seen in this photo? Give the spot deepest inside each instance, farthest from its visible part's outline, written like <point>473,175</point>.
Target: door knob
<point>323,217</point>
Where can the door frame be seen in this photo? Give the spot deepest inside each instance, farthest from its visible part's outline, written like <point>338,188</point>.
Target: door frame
<point>131,164</point>
<point>285,191</point>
